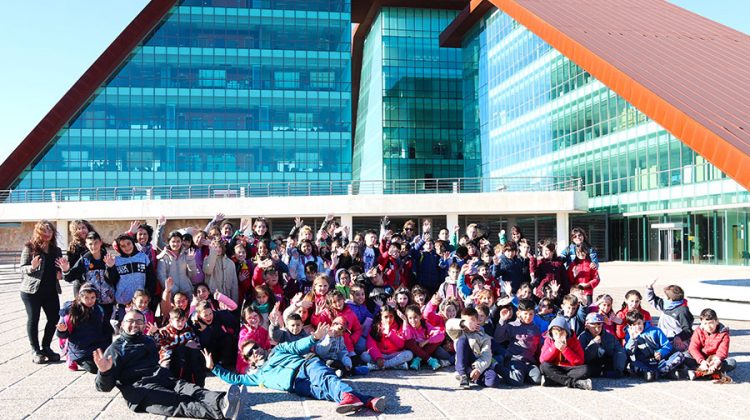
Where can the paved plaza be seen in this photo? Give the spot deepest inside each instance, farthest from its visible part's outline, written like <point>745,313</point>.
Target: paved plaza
<point>51,391</point>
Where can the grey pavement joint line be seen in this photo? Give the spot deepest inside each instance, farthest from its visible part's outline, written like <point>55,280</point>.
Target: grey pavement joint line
<point>634,405</point>
<point>62,388</point>
<point>501,405</point>
<point>562,401</point>
<point>428,399</point>
<point>699,408</point>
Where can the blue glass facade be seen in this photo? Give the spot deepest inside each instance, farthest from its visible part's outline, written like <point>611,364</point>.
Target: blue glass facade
<point>536,113</point>
<point>223,91</point>
<point>410,106</point>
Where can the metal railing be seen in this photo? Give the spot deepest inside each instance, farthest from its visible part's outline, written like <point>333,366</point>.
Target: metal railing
<point>288,189</point>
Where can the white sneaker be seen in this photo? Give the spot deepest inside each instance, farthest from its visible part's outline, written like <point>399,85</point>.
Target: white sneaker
<point>691,375</point>
<point>445,363</point>
<point>402,366</point>
<point>372,366</point>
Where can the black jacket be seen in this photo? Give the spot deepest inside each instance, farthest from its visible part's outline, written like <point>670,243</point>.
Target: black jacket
<point>133,358</point>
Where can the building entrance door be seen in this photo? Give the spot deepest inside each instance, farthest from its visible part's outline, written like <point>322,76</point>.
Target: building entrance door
<point>670,241</point>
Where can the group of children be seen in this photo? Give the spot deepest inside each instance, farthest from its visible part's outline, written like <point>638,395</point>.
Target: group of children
<point>388,300</point>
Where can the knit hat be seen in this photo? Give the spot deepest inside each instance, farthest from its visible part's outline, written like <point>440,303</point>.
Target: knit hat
<point>594,318</point>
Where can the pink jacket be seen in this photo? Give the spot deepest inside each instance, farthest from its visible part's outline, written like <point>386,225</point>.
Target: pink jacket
<point>430,314</point>
<point>259,336</point>
<point>428,332</point>
<point>389,343</point>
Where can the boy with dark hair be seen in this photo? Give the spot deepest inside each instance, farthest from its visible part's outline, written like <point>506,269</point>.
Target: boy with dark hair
<point>649,350</point>
<point>676,321</point>
<point>474,361</point>
<point>179,350</point>
<point>523,339</point>
<point>709,348</point>
<point>292,330</point>
<point>603,352</point>
<point>562,360</point>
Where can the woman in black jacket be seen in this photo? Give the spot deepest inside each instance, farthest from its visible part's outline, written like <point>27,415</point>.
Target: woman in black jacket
<point>40,288</point>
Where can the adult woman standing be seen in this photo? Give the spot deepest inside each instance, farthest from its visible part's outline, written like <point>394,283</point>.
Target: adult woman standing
<point>40,287</point>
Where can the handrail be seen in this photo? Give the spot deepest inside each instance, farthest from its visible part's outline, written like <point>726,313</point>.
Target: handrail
<point>290,188</point>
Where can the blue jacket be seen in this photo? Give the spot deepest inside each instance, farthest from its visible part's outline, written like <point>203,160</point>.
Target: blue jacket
<point>646,344</point>
<point>88,335</point>
<point>278,372</point>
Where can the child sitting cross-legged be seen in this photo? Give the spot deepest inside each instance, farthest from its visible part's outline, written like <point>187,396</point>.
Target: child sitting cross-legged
<point>523,336</point>
<point>562,361</point>
<point>602,351</point>
<point>423,340</point>
<point>709,348</point>
<point>649,350</point>
<point>474,362</point>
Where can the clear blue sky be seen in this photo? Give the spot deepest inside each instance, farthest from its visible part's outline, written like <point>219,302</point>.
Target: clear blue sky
<point>47,45</point>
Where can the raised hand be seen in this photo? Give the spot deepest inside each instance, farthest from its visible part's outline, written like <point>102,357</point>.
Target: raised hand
<point>298,222</point>
<point>209,359</point>
<point>245,224</point>
<point>162,220</point>
<point>555,286</point>
<point>169,283</point>
<point>321,331</point>
<point>36,262</point>
<point>426,225</point>
<point>63,264</point>
<point>134,226</point>
<point>505,314</point>
<point>392,302</point>
<point>385,221</point>
<point>653,282</point>
<point>329,217</point>
<point>109,260</point>
<point>190,253</point>
<point>456,228</point>
<point>219,217</point>
<point>151,329</point>
<point>104,364</point>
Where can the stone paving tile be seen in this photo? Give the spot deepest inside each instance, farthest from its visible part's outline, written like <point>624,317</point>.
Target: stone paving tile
<point>51,391</point>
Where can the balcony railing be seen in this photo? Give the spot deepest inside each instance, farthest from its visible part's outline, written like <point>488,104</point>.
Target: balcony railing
<point>288,189</point>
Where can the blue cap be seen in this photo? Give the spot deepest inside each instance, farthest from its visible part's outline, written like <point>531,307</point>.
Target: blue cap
<point>594,318</point>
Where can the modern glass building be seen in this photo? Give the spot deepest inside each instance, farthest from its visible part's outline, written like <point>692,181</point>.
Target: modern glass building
<point>221,91</point>
<point>536,113</point>
<point>409,114</point>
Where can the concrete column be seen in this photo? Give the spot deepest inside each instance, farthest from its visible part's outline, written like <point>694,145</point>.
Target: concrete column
<point>563,220</point>
<point>451,219</point>
<point>62,234</point>
<point>346,220</point>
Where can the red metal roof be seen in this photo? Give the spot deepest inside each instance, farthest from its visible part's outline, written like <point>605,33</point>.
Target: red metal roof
<point>37,141</point>
<point>688,73</point>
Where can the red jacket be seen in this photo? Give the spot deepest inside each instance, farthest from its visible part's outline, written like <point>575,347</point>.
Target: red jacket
<point>571,356</point>
<point>389,343</point>
<point>580,271</point>
<point>355,328</point>
<point>391,270</point>
<point>704,344</point>
<point>622,329</point>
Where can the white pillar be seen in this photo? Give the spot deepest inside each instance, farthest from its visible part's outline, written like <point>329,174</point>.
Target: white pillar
<point>62,234</point>
<point>346,220</point>
<point>451,219</point>
<point>563,220</point>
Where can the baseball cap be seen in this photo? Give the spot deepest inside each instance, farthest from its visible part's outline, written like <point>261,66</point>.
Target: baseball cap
<point>594,318</point>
